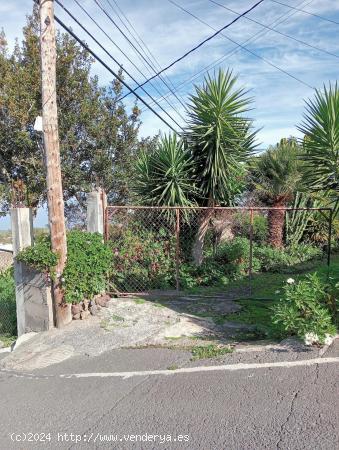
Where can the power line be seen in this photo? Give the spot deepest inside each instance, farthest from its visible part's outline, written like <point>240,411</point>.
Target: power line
<point>121,51</point>
<point>86,47</point>
<point>135,48</point>
<point>281,19</point>
<point>202,42</point>
<point>142,44</point>
<point>113,59</point>
<point>306,12</point>
<point>243,46</point>
<point>277,31</point>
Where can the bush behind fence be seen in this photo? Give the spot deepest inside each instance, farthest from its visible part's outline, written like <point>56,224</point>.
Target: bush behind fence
<point>183,248</point>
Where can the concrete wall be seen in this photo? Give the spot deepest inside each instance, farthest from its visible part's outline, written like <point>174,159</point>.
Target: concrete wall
<point>32,290</point>
<point>35,290</point>
<point>96,202</point>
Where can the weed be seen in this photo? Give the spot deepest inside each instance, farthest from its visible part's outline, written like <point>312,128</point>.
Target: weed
<point>117,318</point>
<point>139,301</point>
<point>209,351</point>
<point>172,367</point>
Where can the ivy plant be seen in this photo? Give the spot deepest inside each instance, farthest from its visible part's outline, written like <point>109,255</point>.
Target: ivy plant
<point>88,262</point>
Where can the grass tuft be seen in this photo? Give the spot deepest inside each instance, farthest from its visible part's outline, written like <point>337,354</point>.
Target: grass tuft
<point>209,351</point>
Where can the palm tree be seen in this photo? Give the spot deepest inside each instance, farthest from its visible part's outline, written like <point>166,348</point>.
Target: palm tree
<point>321,143</point>
<point>276,176</point>
<point>164,176</point>
<point>220,139</point>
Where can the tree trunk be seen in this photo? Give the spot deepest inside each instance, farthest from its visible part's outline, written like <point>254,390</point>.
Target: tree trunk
<point>276,221</point>
<point>198,245</point>
<point>52,156</point>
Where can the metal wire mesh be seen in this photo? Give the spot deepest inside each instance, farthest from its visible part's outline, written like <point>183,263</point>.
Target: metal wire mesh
<point>187,248</point>
<point>6,259</point>
<point>7,287</point>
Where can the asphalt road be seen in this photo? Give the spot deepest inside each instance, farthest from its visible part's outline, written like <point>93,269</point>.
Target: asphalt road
<point>269,405</point>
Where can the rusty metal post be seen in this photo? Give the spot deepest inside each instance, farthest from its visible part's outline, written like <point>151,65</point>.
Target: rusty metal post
<point>103,197</point>
<point>329,242</point>
<point>250,271</point>
<point>177,248</point>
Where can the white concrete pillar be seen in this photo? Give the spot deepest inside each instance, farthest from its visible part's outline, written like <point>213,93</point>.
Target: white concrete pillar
<point>32,290</point>
<point>96,203</point>
<point>22,237</point>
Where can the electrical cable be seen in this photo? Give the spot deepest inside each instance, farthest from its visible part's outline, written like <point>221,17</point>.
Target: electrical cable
<point>201,43</point>
<point>117,76</point>
<point>126,56</point>
<point>138,39</point>
<point>305,12</point>
<point>275,31</point>
<point>113,59</point>
<point>281,19</point>
<point>243,47</point>
<point>135,48</point>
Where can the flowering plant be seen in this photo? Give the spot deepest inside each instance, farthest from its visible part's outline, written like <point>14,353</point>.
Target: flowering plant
<point>304,310</point>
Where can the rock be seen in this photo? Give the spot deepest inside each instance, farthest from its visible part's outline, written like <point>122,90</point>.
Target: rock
<point>84,305</point>
<point>103,300</point>
<point>93,309</point>
<point>77,316</point>
<point>85,314</point>
<point>76,309</point>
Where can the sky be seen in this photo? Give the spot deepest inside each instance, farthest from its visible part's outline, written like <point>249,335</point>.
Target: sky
<point>169,32</point>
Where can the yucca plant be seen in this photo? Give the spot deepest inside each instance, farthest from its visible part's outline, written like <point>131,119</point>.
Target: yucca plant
<point>321,142</point>
<point>276,176</point>
<point>164,177</point>
<point>220,139</point>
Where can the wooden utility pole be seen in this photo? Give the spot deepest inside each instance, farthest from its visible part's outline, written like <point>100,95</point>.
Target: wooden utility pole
<point>52,154</point>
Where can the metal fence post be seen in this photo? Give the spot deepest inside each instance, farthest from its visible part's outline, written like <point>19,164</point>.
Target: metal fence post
<point>329,242</point>
<point>251,251</point>
<point>177,248</point>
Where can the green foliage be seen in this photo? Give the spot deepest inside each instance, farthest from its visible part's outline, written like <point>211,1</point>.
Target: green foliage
<point>304,309</point>
<point>258,313</point>
<point>232,261</point>
<point>39,256</point>
<point>297,221</point>
<point>88,262</point>
<point>276,174</point>
<point>321,142</point>
<point>241,227</point>
<point>220,137</point>
<point>7,306</point>
<point>235,255</point>
<point>141,259</point>
<point>276,260</point>
<point>98,136</point>
<point>164,176</point>
<point>209,351</point>
<point>209,273</point>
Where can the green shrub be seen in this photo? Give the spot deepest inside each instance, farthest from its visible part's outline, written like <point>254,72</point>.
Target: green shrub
<point>304,310</point>
<point>275,259</point>
<point>7,304</point>
<point>209,273</point>
<point>88,262</point>
<point>39,256</point>
<point>271,259</point>
<point>241,227</point>
<point>235,255</point>
<point>143,259</point>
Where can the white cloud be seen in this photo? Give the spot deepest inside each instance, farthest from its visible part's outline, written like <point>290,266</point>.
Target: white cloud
<point>169,32</point>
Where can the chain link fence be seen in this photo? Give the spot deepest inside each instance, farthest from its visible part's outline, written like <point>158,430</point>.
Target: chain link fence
<point>208,249</point>
<point>7,287</point>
